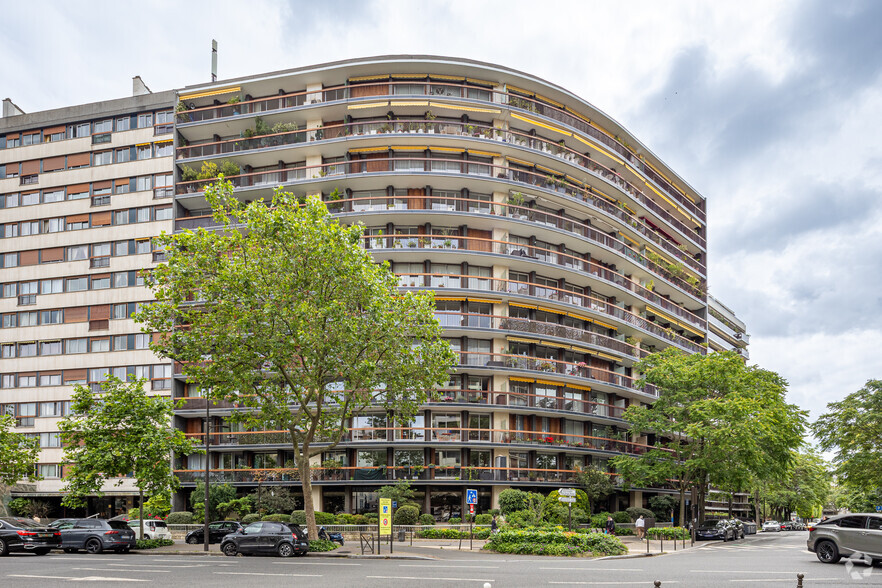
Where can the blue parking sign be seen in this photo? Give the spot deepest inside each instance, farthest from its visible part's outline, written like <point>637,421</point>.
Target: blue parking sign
<point>879,509</point>
<point>471,496</point>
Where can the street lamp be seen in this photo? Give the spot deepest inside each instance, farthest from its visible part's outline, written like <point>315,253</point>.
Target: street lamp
<point>207,466</point>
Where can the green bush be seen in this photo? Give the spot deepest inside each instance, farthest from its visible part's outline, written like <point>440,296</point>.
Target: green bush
<point>483,519</point>
<point>636,512</point>
<point>624,531</point>
<point>180,518</point>
<point>454,520</point>
<point>359,520</point>
<point>554,542</point>
<point>152,543</point>
<point>621,517</point>
<point>427,519</point>
<point>324,518</point>
<point>598,521</point>
<point>277,518</point>
<point>299,517</point>
<point>250,518</point>
<point>406,515</point>
<point>512,500</point>
<point>495,511</point>
<point>446,533</point>
<point>667,532</point>
<point>322,545</point>
<point>371,519</point>
<point>345,518</point>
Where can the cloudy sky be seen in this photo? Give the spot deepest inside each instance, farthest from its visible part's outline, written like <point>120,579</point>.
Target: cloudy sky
<point>772,110</point>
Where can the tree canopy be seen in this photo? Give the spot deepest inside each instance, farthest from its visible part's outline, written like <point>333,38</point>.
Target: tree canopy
<point>18,456</point>
<point>117,432</point>
<point>852,428</point>
<point>716,422</point>
<point>282,311</point>
<point>804,489</point>
<point>595,483</point>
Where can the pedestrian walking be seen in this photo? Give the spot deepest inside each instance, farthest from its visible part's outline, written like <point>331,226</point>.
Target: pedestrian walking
<point>640,525</point>
<point>494,526</point>
<point>610,526</point>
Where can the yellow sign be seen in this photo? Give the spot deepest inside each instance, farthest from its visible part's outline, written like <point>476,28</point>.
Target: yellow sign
<point>385,516</point>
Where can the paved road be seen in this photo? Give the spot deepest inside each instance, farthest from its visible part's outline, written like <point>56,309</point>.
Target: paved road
<point>760,561</point>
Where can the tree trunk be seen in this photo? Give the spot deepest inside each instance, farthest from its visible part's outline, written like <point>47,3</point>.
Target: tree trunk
<point>682,506</point>
<point>141,511</point>
<point>306,484</point>
<point>731,495</point>
<point>756,509</point>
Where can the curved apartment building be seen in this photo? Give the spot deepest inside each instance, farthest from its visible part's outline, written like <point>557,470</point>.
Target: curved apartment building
<point>559,248</point>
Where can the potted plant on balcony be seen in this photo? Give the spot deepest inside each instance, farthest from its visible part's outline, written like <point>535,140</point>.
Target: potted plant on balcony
<point>332,469</point>
<point>417,471</point>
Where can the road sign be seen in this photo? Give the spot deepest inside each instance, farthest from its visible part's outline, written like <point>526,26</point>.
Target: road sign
<point>394,504</point>
<point>385,517</point>
<point>471,509</point>
<point>567,491</point>
<point>879,508</point>
<point>471,496</point>
<point>567,498</point>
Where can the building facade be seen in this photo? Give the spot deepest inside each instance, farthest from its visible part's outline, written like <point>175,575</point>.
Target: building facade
<point>560,250</point>
<point>83,190</point>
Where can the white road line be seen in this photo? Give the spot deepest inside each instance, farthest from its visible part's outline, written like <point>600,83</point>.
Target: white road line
<point>448,566</point>
<point>420,578</point>
<point>267,574</point>
<point>142,564</point>
<point>312,563</point>
<point>596,569</point>
<point>75,579</point>
<point>127,570</point>
<point>739,572</point>
<point>664,583</point>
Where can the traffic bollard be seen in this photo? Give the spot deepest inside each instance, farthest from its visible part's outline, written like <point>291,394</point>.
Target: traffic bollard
<point>657,583</point>
<point>799,578</point>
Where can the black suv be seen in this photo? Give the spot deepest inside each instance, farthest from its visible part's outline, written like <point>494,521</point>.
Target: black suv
<point>266,537</point>
<point>216,532</point>
<point>20,534</point>
<point>94,535</point>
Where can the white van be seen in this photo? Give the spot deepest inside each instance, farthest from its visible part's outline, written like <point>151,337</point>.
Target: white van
<point>152,529</point>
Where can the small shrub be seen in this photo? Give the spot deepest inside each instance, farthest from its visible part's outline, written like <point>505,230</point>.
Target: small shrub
<point>598,521</point>
<point>322,545</point>
<point>152,543</point>
<point>277,518</point>
<point>371,519</point>
<point>455,520</point>
<point>636,512</point>
<point>345,518</point>
<point>512,500</point>
<point>427,519</point>
<point>299,517</point>
<point>495,511</point>
<point>483,519</point>
<point>359,520</point>
<point>554,542</point>
<point>324,518</point>
<point>667,532</point>
<point>624,531</point>
<point>621,517</point>
<point>250,518</point>
<point>180,518</point>
<point>445,533</point>
<point>406,515</point>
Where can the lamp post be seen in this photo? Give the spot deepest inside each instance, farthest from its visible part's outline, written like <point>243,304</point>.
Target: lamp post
<point>207,466</point>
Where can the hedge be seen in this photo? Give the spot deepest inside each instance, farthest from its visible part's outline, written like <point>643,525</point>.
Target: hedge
<point>322,545</point>
<point>483,519</point>
<point>321,518</point>
<point>455,520</point>
<point>152,543</point>
<point>180,518</point>
<point>447,533</point>
<point>427,519</point>
<point>555,542</point>
<point>250,518</point>
<point>667,532</point>
<point>406,515</point>
<point>277,518</point>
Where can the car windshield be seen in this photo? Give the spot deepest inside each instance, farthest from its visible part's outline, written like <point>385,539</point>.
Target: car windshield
<point>24,523</point>
<point>117,525</point>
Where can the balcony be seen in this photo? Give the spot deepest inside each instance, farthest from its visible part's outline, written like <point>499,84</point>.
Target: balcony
<point>444,92</point>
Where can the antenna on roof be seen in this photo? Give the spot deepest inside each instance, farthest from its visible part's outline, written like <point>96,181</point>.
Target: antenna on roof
<point>213,60</point>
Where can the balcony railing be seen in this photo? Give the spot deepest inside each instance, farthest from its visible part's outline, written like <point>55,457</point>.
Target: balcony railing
<point>540,254</point>
<point>241,145</point>
<point>443,92</point>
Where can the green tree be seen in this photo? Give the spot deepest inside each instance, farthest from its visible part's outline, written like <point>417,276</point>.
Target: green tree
<point>596,484</point>
<point>852,428</point>
<point>118,432</point>
<point>298,324</point>
<point>804,490</point>
<point>18,454</point>
<point>717,422</point>
<point>400,493</point>
<point>217,494</point>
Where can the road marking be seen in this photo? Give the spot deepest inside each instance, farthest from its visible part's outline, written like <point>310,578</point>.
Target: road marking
<point>665,582</point>
<point>738,572</point>
<point>75,579</point>
<point>425,578</point>
<point>127,570</point>
<point>447,566</point>
<point>593,569</point>
<point>310,563</point>
<point>267,574</point>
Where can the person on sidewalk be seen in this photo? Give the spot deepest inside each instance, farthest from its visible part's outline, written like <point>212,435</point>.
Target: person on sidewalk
<point>640,525</point>
<point>494,526</point>
<point>610,526</point>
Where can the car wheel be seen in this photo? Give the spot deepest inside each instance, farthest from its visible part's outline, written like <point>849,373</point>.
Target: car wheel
<point>70,550</point>
<point>827,552</point>
<point>229,549</point>
<point>93,546</point>
<point>192,540</point>
<point>123,550</point>
<point>285,550</point>
<point>3,549</point>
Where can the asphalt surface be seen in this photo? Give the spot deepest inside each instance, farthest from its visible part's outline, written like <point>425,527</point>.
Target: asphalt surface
<point>761,560</point>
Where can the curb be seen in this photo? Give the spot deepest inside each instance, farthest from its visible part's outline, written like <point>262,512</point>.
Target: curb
<point>314,554</point>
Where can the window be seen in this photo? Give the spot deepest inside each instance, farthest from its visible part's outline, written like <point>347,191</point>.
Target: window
<point>50,440</point>
<point>163,213</point>
<point>121,217</point>
<point>123,123</point>
<point>853,522</point>
<point>102,126</point>
<point>10,290</point>
<point>51,409</point>
<point>101,283</point>
<point>32,139</point>
<point>53,225</point>
<point>28,349</point>
<point>145,120</point>
<point>50,380</point>
<point>164,149</point>
<point>100,345</point>
<point>79,194</point>
<point>26,412</point>
<point>165,117</point>
<point>7,350</point>
<point>27,293</point>
<point>121,248</point>
<point>52,286</point>
<point>100,249</point>
<point>48,471</point>
<point>11,200</point>
<point>10,143</point>
<point>143,183</point>
<point>121,188</point>
<point>145,151</point>
<point>30,228</point>
<point>50,348</point>
<point>77,252</point>
<point>119,311</point>
<point>120,279</point>
<point>78,225</point>
<point>53,196</point>
<point>142,341</point>
<point>9,321</point>
<point>102,158</point>
<point>27,319</point>
<point>10,260</point>
<point>77,284</point>
<point>123,155</point>
<point>31,198</point>
<point>120,342</point>
<point>10,230</point>
<point>142,245</point>
<point>53,137</point>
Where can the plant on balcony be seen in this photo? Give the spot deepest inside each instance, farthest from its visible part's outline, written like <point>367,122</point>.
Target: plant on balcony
<point>188,174</point>
<point>283,353</point>
<point>181,107</point>
<point>546,367</point>
<point>234,100</point>
<point>284,127</point>
<point>332,468</point>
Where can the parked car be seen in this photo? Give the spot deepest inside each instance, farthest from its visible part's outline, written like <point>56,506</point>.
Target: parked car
<point>265,537</point>
<point>216,532</point>
<point>152,529</point>
<point>844,535</point>
<point>738,526</point>
<point>94,535</point>
<point>771,526</point>
<point>715,530</point>
<point>786,526</point>
<point>21,534</point>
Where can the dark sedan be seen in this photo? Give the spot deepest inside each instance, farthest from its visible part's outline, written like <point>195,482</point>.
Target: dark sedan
<point>266,537</point>
<point>20,534</point>
<point>216,532</point>
<point>94,535</point>
<point>715,530</point>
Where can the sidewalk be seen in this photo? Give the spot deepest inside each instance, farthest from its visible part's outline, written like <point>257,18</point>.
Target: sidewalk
<point>421,549</point>
<point>637,548</point>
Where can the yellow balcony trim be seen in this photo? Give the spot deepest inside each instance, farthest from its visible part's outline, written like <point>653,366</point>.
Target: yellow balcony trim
<point>674,321</point>
<point>409,103</point>
<point>600,149</point>
<point>668,180</point>
<point>445,77</point>
<point>577,115</point>
<point>519,305</point>
<point>542,308</point>
<point>484,300</point>
<point>627,238</point>
<point>448,298</point>
<point>369,78</point>
<point>369,149</point>
<point>515,379</point>
<point>454,106</point>
<point>550,383</point>
<point>520,161</point>
<point>553,344</point>
<point>409,147</point>
<point>541,124</point>
<point>207,93</point>
<point>549,170</point>
<point>480,82</point>
<point>449,149</point>
<point>522,340</point>
<point>511,88</point>
<point>409,76</point>
<point>577,387</point>
<point>605,356</point>
<point>549,101</point>
<point>484,153</point>
<point>367,105</point>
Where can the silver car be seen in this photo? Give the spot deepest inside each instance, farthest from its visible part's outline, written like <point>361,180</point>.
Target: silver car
<point>846,535</point>
<point>771,526</point>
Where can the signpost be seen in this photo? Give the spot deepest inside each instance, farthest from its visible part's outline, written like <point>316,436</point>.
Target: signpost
<point>471,500</point>
<point>568,496</point>
<point>385,522</point>
<point>879,508</point>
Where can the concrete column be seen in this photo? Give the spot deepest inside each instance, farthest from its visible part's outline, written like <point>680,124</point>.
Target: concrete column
<point>637,498</point>
<point>494,495</point>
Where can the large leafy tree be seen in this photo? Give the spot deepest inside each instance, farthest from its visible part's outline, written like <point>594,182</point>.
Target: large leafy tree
<point>284,312</point>
<point>852,428</point>
<point>716,422</point>
<point>119,431</point>
<point>18,454</point>
<point>804,490</point>
<point>596,485</point>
